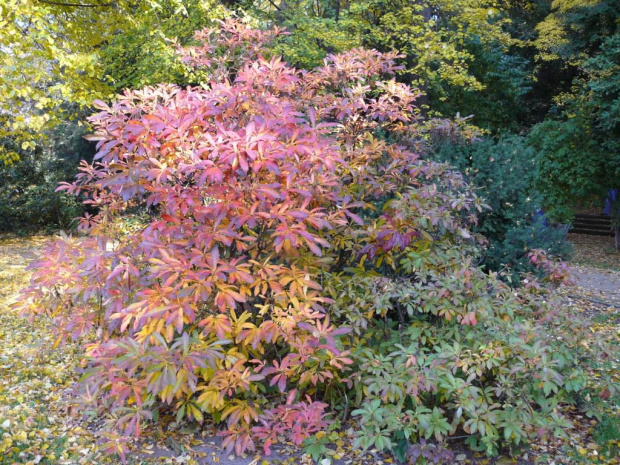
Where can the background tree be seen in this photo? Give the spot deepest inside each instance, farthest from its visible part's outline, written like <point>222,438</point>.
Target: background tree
<point>453,50</point>
<point>29,201</point>
<point>57,57</point>
<point>579,141</point>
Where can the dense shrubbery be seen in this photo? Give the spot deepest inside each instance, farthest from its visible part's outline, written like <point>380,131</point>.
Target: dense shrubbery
<point>28,198</point>
<point>505,172</point>
<point>294,268</point>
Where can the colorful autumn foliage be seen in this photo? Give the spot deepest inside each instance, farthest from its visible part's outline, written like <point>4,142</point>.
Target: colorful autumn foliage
<point>297,252</point>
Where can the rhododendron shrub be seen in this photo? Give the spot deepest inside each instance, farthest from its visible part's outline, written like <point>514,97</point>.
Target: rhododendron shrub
<point>293,266</point>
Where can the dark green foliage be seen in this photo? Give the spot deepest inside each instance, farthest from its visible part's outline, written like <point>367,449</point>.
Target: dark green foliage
<point>580,147</point>
<point>579,141</point>
<point>571,163</point>
<point>506,81</point>
<point>536,233</point>
<point>28,199</point>
<point>504,170</point>
<point>606,434</point>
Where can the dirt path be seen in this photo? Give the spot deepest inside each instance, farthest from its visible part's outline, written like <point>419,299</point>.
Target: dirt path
<point>596,269</point>
<point>599,284</point>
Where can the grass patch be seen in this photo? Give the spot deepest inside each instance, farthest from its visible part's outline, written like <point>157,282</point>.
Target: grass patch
<point>607,435</point>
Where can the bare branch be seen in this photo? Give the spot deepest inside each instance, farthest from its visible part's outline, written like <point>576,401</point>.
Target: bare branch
<point>78,5</point>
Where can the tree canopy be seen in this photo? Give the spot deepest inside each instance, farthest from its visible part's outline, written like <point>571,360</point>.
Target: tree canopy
<point>56,57</point>
<point>579,141</point>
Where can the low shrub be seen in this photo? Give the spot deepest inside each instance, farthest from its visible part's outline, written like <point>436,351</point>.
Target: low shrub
<point>504,172</point>
<point>293,269</point>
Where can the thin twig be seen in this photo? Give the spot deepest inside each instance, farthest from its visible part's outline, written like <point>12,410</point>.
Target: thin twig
<point>78,5</point>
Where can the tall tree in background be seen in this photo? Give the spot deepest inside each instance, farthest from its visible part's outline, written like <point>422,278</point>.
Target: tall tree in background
<point>56,57</point>
<point>456,51</point>
<point>579,141</point>
<point>512,64</point>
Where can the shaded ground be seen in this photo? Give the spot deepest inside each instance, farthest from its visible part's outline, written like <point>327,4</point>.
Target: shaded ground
<point>595,251</point>
<point>602,285</point>
<point>596,267</point>
<point>38,426</point>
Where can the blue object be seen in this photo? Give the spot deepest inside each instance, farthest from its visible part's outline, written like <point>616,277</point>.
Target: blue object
<point>540,216</point>
<point>612,199</point>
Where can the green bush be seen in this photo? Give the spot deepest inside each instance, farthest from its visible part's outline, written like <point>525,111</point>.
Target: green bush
<point>504,171</point>
<point>28,198</point>
<point>511,254</point>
